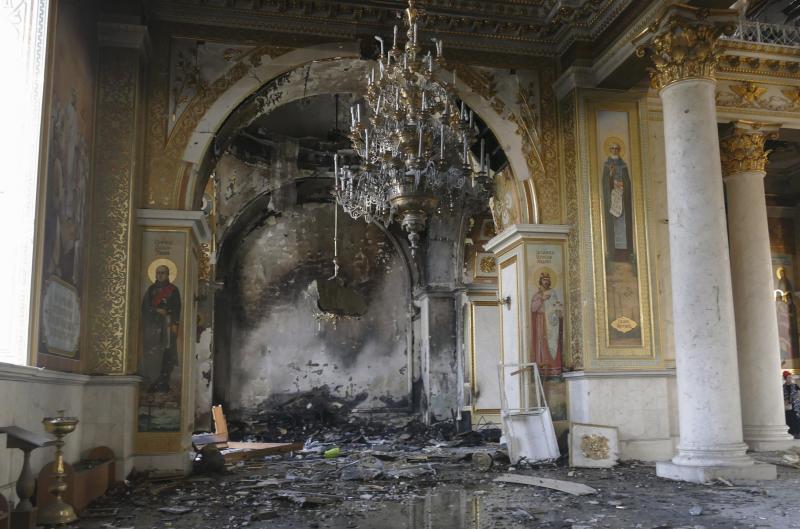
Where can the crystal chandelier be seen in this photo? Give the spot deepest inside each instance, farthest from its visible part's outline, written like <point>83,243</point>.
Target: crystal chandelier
<point>412,141</point>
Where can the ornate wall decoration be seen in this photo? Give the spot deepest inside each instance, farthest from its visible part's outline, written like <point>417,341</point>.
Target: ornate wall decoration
<point>757,66</point>
<point>682,43</point>
<point>508,26</point>
<point>165,147</point>
<point>548,184</point>
<point>595,446</point>
<point>743,150</point>
<point>115,159</point>
<point>570,171</point>
<point>194,66</point>
<point>65,186</point>
<point>753,95</point>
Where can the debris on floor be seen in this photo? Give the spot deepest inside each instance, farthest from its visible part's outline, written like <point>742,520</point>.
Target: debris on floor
<point>406,476</point>
<point>576,489</point>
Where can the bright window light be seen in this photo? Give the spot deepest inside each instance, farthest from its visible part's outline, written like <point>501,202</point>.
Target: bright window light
<point>23,38</point>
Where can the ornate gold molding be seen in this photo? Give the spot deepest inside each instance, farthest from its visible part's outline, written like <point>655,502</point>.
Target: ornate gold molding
<point>753,95</point>
<point>682,43</point>
<point>112,210</point>
<point>569,142</point>
<point>743,149</point>
<point>751,65</point>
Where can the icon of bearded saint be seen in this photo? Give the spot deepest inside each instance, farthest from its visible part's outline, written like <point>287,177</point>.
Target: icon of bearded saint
<point>618,209</point>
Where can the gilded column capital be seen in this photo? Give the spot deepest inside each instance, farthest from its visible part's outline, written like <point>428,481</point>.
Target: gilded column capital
<point>742,150</point>
<point>682,43</point>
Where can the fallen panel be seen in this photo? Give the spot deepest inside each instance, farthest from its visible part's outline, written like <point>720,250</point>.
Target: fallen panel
<point>570,487</point>
<point>593,446</point>
<point>241,451</point>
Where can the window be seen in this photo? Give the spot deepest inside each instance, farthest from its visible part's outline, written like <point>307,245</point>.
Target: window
<point>23,40</point>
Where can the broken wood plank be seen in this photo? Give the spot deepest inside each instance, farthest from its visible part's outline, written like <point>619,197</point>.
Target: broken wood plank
<point>202,439</point>
<point>570,487</point>
<point>242,451</point>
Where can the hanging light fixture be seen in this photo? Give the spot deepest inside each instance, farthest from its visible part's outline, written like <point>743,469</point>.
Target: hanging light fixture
<point>412,140</point>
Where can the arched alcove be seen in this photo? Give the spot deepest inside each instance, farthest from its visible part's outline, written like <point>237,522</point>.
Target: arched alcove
<point>284,326</point>
<point>265,153</point>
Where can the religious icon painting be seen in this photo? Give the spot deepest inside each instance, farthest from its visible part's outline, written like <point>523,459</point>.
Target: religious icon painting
<point>69,128</point>
<point>546,296</point>
<point>622,286</point>
<point>161,336</point>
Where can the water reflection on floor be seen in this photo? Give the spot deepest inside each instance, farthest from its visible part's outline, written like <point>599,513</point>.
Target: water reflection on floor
<point>440,508</point>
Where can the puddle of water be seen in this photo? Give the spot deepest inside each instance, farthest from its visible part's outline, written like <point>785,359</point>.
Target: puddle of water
<point>441,508</point>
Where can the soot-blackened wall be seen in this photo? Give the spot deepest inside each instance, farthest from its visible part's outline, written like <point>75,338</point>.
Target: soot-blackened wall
<point>275,343</point>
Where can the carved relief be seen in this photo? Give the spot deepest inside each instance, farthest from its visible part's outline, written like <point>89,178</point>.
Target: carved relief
<point>755,65</point>
<point>753,95</point>
<point>595,446</point>
<point>488,264</point>
<point>682,44</point>
<point>511,26</point>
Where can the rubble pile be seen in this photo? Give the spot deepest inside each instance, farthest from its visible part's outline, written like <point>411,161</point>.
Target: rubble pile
<point>420,478</point>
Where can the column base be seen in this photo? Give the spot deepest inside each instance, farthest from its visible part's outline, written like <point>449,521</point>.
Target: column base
<point>772,445</point>
<point>768,438</point>
<point>700,474</point>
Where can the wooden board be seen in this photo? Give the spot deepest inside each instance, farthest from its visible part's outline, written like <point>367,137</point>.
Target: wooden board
<point>241,451</point>
<point>238,451</point>
<point>25,439</point>
<point>570,487</point>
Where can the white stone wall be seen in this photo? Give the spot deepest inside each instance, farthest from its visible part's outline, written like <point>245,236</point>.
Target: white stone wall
<point>643,405</point>
<point>104,406</point>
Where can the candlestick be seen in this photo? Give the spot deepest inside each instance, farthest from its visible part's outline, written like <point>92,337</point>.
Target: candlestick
<point>420,142</point>
<point>358,112</point>
<point>470,119</point>
<point>381,41</point>
<point>394,42</point>
<point>482,151</point>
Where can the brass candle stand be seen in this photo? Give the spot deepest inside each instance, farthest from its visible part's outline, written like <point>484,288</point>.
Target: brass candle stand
<point>59,512</point>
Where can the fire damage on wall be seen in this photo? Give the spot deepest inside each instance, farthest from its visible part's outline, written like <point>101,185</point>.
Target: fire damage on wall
<point>288,323</point>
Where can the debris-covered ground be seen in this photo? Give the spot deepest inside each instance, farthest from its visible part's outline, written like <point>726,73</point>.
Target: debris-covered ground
<point>433,479</point>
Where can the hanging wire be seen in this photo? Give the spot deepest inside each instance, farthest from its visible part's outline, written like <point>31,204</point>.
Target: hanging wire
<point>335,218</point>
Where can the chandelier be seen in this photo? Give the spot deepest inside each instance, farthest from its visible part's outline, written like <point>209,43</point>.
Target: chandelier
<point>412,141</point>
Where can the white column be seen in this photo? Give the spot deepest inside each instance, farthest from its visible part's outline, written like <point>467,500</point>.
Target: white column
<point>710,418</point>
<point>743,163</point>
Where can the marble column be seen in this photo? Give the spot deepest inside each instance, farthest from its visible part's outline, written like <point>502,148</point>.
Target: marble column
<point>682,47</point>
<point>743,168</point>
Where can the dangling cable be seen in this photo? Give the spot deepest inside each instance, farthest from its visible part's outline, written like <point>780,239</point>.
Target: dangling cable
<point>335,217</point>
